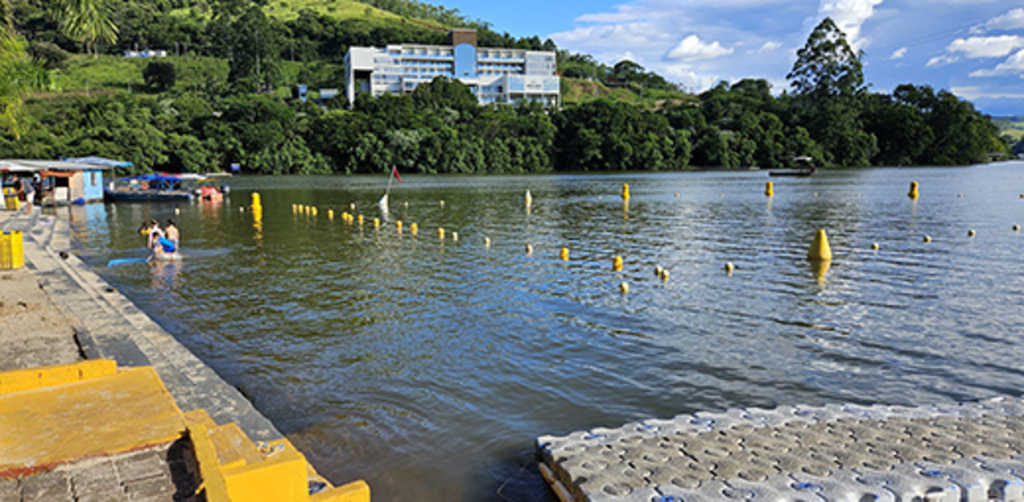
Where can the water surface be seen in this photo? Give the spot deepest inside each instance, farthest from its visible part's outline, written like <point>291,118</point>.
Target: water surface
<point>428,367</point>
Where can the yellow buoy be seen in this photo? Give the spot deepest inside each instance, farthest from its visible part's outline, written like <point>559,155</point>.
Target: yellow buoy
<point>564,254</point>
<point>625,191</point>
<point>440,232</point>
<point>664,274</point>
<point>352,206</point>
<point>241,209</point>
<point>314,211</point>
<point>820,249</point>
<point>414,228</point>
<point>970,233</point>
<point>529,249</point>
<point>677,195</point>
<point>376,223</point>
<point>729,267</point>
<point>528,198</point>
<point>442,202</point>
<point>294,208</point>
<point>624,287</point>
<point>959,195</point>
<point>487,242</point>
<point>874,246</point>
<point>455,236</point>
<point>913,190</point>
<point>1016,228</point>
<point>657,271</point>
<point>330,214</point>
<point>769,189</point>
<point>617,264</point>
<point>360,220</point>
<point>927,238</point>
<point>398,225</point>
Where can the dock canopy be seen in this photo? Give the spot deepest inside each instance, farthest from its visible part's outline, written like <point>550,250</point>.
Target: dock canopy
<point>99,161</point>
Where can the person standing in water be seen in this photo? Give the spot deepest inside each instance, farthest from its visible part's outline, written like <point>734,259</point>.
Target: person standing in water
<point>172,232</point>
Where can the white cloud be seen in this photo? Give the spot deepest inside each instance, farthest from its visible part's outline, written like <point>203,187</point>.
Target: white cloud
<point>692,48</point>
<point>973,92</point>
<point>849,16</point>
<point>1013,65</point>
<point>1012,20</point>
<point>942,60</point>
<point>986,47</point>
<point>899,53</point>
<point>769,46</point>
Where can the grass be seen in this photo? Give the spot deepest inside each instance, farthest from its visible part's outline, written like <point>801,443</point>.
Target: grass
<point>576,90</point>
<point>288,10</point>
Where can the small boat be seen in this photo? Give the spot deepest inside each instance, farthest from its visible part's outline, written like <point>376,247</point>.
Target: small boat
<point>157,187</point>
<point>803,167</point>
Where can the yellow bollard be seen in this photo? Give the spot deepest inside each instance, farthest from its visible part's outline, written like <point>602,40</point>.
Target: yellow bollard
<point>625,192</point>
<point>769,189</point>
<point>820,249</point>
<point>913,190</point>
<point>414,228</point>
<point>440,233</point>
<point>617,264</point>
<point>564,254</point>
<point>376,223</point>
<point>624,288</point>
<point>529,249</point>
<point>729,267</point>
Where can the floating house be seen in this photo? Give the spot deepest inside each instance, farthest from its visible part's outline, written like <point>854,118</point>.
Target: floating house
<point>70,181</point>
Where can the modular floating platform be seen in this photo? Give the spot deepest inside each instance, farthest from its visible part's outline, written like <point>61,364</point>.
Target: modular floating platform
<point>942,453</point>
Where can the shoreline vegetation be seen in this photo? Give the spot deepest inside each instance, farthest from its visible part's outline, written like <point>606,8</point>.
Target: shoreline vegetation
<point>227,101</point>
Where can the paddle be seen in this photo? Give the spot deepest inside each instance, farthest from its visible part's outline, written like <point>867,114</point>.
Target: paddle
<point>120,261</point>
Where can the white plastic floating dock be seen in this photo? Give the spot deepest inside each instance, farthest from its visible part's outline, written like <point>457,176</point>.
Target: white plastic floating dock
<point>970,452</point>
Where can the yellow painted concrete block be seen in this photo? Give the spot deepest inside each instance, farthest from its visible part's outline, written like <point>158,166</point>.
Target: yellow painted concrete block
<point>52,376</point>
<point>233,447</point>
<point>213,486</point>
<point>197,417</point>
<point>279,477</point>
<point>356,491</point>
<point>101,416</point>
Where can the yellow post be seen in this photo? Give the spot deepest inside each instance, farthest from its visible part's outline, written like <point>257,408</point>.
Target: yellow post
<point>12,250</point>
<point>820,249</point>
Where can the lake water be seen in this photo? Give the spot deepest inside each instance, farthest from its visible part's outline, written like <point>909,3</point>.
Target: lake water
<point>428,367</point>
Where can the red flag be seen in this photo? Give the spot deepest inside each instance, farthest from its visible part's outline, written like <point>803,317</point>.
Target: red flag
<point>394,172</point>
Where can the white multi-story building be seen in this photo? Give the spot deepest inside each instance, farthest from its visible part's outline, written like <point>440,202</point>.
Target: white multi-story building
<point>494,75</point>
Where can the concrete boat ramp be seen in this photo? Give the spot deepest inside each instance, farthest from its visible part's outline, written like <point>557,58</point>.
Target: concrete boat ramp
<point>945,453</point>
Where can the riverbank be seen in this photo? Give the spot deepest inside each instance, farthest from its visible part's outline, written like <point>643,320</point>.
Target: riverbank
<point>119,436</point>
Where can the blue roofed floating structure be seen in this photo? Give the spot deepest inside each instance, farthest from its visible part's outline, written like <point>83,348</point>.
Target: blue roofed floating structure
<point>61,181</point>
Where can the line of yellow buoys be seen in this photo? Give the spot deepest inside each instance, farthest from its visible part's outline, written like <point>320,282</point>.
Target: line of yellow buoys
<point>819,254</point>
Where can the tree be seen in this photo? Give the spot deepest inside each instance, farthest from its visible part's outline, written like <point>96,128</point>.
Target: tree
<point>160,74</point>
<point>829,82</point>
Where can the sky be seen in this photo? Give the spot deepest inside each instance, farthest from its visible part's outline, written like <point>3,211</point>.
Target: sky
<point>974,48</point>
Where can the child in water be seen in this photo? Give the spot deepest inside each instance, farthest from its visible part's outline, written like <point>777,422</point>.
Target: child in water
<point>159,243</point>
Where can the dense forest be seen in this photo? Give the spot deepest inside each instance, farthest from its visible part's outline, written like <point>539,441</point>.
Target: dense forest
<point>829,114</point>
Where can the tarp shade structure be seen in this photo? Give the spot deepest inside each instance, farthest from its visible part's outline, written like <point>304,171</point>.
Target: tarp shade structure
<point>100,161</point>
